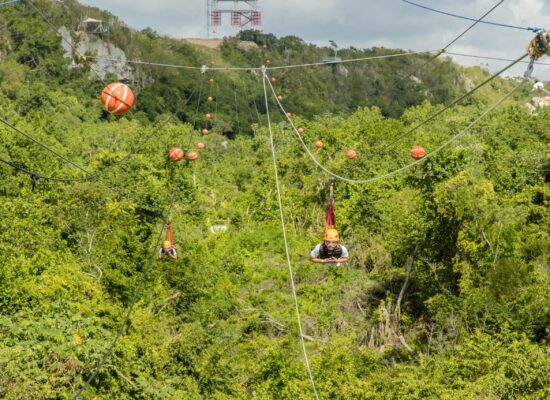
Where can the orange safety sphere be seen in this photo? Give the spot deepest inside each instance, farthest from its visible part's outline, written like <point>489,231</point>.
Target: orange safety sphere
<point>279,98</point>
<point>210,98</point>
<point>200,146</point>
<point>418,152</point>
<point>300,130</point>
<point>211,80</point>
<point>273,79</point>
<point>117,98</point>
<point>208,116</point>
<point>192,155</point>
<point>351,154</point>
<point>176,154</point>
<point>319,144</point>
<point>204,131</point>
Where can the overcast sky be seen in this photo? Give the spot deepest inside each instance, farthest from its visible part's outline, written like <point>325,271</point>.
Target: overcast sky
<point>362,23</point>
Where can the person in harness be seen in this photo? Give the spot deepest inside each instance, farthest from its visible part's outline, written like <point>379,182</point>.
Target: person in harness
<point>330,252</point>
<point>536,48</point>
<point>168,249</point>
<point>539,45</point>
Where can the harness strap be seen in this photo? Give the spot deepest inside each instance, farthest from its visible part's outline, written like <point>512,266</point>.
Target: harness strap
<point>330,221</point>
<point>169,233</point>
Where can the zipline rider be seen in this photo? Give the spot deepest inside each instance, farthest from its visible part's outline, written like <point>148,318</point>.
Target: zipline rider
<point>330,252</point>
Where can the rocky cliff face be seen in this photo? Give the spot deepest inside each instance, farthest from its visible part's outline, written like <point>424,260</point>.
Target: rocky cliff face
<point>105,58</point>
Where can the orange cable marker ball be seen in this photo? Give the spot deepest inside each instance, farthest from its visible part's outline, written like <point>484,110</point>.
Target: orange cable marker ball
<point>300,130</point>
<point>117,98</point>
<point>200,146</point>
<point>351,154</point>
<point>192,155</point>
<point>418,152</point>
<point>204,131</point>
<point>176,154</point>
<point>208,116</point>
<point>319,144</point>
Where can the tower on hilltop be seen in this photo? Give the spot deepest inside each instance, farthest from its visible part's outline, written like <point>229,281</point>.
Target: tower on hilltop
<point>243,14</point>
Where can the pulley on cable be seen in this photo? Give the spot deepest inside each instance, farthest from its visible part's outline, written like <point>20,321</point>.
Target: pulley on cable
<point>330,251</point>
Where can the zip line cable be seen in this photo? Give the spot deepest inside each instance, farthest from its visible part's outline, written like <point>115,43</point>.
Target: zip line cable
<point>201,68</point>
<point>251,96</point>
<point>492,58</point>
<point>295,296</point>
<point>145,273</point>
<point>45,147</point>
<point>477,21</point>
<point>276,67</point>
<point>107,169</point>
<point>453,41</point>
<point>534,29</point>
<point>237,110</point>
<point>8,2</point>
<point>250,99</point>
<point>394,172</point>
<point>454,102</point>
<point>138,289</point>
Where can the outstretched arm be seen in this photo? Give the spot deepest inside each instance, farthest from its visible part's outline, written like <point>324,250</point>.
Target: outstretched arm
<point>172,253</point>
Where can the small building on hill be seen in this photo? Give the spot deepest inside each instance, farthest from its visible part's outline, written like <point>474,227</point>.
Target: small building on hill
<point>94,26</point>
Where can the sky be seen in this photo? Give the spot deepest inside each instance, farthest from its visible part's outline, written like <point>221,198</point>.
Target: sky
<point>363,24</point>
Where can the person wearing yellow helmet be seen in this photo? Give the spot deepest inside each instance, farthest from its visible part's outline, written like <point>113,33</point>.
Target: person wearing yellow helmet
<point>330,252</point>
<point>169,250</point>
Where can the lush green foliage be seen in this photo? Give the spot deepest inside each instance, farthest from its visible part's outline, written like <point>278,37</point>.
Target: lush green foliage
<point>446,295</point>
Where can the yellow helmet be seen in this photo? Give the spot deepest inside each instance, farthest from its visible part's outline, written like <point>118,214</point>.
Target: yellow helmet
<point>166,244</point>
<point>332,235</point>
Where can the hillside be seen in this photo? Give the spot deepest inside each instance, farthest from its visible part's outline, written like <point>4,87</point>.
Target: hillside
<point>447,290</point>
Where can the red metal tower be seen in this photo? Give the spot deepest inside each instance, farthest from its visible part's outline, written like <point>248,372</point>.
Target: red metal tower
<point>244,14</point>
